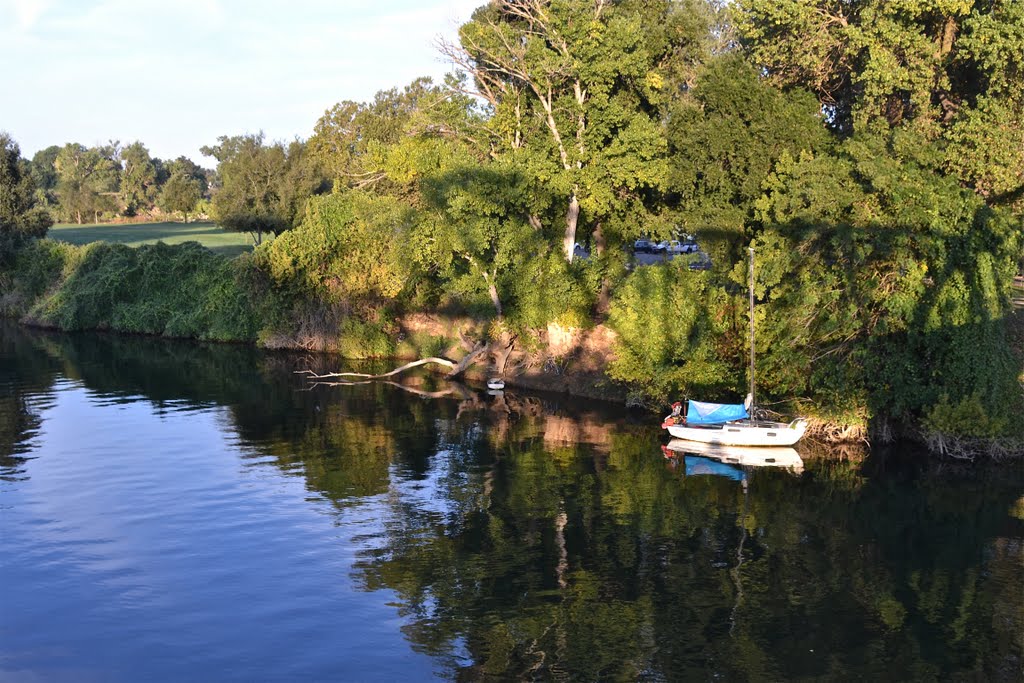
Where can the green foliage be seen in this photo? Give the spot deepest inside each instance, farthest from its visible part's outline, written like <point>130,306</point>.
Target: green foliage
<point>474,233</point>
<point>352,248</point>
<point>138,178</point>
<point>950,70</point>
<point>20,213</point>
<point>180,194</point>
<point>576,91</point>
<point>884,283</point>
<point>175,291</point>
<point>31,269</point>
<point>355,143</point>
<point>563,298</point>
<point>364,339</point>
<point>87,181</point>
<point>966,417</point>
<point>44,174</point>
<point>670,323</point>
<point>263,188</point>
<point>423,345</point>
<point>726,136</point>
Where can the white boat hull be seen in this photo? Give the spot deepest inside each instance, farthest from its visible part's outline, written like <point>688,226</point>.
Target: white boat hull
<point>745,456</point>
<point>743,433</point>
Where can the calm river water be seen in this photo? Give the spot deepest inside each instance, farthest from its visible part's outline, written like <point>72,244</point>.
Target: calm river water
<point>178,512</point>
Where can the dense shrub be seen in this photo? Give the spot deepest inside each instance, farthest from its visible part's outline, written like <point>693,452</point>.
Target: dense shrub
<point>547,289</point>
<point>885,284</point>
<point>671,324</point>
<point>178,291</point>
<point>30,269</point>
<point>351,248</point>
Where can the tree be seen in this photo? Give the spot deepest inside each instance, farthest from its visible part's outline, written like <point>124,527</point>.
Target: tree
<point>574,89</point>
<point>477,235</point>
<point>138,179</point>
<point>882,283</point>
<point>351,248</point>
<point>725,135</point>
<point>302,179</point>
<point>351,140</point>
<point>188,168</point>
<point>44,174</point>
<point>86,180</point>
<point>263,188</point>
<point>180,194</point>
<point>950,70</point>
<point>20,214</point>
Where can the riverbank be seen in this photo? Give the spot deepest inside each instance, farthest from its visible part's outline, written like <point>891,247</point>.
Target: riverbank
<point>187,291</point>
<point>570,362</point>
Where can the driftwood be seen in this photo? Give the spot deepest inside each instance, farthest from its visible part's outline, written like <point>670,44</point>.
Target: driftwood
<point>455,369</point>
<point>362,375</point>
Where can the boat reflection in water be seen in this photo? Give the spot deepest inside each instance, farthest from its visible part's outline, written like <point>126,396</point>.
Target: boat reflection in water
<point>741,456</point>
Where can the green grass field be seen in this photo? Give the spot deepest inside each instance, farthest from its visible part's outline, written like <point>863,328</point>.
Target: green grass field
<point>136,234</point>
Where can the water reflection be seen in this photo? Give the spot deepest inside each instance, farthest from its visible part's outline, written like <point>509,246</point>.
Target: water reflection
<point>524,537</point>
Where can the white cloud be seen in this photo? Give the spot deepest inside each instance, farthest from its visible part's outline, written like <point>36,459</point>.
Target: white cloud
<point>26,12</point>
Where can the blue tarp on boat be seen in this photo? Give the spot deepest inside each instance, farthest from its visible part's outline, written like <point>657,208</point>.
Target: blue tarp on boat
<point>700,413</point>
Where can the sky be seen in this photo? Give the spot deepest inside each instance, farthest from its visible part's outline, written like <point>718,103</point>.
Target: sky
<point>176,74</point>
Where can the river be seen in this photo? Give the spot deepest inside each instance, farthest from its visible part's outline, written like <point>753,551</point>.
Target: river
<point>174,511</point>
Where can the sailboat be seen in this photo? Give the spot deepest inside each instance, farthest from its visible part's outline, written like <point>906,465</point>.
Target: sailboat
<point>732,424</point>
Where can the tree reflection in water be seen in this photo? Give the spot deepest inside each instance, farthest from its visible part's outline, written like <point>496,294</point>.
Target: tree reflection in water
<point>536,538</point>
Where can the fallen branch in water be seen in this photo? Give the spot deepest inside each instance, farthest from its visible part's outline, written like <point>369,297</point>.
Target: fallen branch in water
<point>454,369</point>
<point>408,366</point>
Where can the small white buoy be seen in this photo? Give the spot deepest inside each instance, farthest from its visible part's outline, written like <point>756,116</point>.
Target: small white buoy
<point>495,383</point>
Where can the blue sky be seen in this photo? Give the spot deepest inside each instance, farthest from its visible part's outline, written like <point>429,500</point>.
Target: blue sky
<point>176,74</point>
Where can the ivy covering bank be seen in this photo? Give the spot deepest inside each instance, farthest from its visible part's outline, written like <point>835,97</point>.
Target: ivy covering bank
<point>871,152</point>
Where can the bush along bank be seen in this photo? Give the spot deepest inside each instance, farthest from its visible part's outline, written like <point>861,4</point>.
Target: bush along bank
<point>669,331</point>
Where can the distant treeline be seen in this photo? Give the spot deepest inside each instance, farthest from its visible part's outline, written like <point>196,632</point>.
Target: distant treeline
<point>79,184</point>
<point>871,152</point>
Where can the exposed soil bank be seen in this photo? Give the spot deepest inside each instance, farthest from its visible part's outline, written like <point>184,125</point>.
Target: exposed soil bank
<point>558,359</point>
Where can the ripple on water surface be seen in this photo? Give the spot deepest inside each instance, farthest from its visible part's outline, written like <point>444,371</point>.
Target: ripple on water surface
<point>141,542</point>
<point>180,513</point>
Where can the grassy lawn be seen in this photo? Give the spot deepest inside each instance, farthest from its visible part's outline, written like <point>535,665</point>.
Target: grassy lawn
<point>135,234</point>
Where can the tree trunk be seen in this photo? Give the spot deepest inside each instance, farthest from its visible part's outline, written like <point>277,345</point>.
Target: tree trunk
<point>605,295</point>
<point>571,218</point>
<point>948,35</point>
<point>493,291</point>
<point>502,353</point>
<point>468,359</point>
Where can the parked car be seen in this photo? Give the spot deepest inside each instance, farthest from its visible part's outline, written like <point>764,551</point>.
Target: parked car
<point>675,247</point>
<point>642,245</point>
<point>660,247</point>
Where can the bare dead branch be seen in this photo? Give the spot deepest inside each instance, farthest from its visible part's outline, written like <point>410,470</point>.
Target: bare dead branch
<point>408,366</point>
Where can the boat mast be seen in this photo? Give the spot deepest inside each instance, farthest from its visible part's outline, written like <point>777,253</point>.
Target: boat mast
<point>750,282</point>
